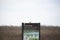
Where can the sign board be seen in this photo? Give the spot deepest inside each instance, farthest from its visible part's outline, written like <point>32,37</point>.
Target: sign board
<point>30,31</point>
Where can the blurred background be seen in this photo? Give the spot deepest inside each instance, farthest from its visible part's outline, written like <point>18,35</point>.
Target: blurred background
<point>14,12</point>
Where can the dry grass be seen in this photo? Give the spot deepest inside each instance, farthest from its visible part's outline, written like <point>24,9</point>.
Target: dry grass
<point>51,33</point>
<point>15,33</point>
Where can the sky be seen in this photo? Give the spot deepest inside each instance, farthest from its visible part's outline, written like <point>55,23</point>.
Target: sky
<point>14,12</point>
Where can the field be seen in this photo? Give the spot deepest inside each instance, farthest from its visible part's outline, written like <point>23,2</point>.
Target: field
<point>50,33</point>
<point>15,33</point>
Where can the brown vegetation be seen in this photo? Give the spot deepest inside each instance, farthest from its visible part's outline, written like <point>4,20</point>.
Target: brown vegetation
<point>50,33</point>
<point>15,33</point>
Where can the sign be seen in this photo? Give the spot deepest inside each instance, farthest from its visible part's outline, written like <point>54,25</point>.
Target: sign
<point>30,31</point>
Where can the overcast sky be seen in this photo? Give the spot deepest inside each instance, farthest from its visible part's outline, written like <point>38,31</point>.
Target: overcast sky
<point>14,12</point>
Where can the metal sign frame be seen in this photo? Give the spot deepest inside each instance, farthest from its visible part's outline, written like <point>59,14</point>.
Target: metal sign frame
<point>33,24</point>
